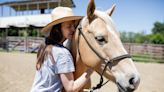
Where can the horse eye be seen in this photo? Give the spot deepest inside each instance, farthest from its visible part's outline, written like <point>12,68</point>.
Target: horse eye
<point>100,40</point>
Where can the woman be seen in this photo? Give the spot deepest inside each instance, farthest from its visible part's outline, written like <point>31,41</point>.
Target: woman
<point>54,62</point>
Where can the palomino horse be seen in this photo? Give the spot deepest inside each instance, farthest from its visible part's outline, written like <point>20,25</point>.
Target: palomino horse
<point>97,44</point>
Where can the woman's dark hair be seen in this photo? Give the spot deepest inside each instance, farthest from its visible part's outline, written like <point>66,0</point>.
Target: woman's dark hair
<point>45,49</point>
<point>56,33</point>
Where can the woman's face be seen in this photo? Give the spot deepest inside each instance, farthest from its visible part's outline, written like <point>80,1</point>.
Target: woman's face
<point>68,29</point>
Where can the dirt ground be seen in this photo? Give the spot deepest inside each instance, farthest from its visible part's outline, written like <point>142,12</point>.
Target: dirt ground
<point>17,71</point>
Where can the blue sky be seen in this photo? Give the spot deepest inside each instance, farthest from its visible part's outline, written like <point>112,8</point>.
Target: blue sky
<point>129,15</point>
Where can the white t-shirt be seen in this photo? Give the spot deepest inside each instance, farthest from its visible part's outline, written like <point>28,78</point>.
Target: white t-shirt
<point>47,79</point>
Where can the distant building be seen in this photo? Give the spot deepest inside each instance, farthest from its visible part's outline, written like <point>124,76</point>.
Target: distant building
<point>23,18</point>
<point>25,13</point>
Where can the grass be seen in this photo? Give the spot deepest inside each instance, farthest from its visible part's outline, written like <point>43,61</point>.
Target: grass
<point>147,58</point>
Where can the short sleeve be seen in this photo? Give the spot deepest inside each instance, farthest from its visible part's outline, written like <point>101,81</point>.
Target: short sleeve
<point>64,62</point>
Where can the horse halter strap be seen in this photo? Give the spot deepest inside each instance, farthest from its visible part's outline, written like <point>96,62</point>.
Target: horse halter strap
<point>109,63</point>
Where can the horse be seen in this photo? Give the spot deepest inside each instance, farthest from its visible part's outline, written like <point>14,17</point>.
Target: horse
<point>96,44</point>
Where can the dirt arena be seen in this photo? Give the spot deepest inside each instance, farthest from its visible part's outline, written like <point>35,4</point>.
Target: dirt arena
<point>17,71</point>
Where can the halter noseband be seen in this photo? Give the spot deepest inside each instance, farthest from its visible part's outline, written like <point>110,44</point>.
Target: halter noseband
<point>109,63</point>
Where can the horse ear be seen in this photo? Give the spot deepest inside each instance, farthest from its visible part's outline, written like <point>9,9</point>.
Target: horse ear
<point>110,11</point>
<point>90,10</point>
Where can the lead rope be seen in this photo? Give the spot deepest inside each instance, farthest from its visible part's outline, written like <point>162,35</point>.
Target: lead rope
<point>100,84</point>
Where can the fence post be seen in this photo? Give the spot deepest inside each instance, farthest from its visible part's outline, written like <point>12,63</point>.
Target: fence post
<point>129,48</point>
<point>25,41</point>
<point>163,53</point>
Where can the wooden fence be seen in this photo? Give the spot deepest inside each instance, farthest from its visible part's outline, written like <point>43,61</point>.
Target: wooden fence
<point>25,44</point>
<point>140,52</point>
<point>150,52</point>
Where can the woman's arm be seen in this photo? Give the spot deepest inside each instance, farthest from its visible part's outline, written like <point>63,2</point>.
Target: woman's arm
<point>72,85</point>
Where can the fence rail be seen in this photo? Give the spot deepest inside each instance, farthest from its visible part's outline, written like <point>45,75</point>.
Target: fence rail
<point>149,52</point>
<point>26,44</point>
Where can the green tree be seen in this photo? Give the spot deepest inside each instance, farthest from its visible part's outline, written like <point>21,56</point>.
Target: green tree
<point>158,28</point>
<point>123,36</point>
<point>140,38</point>
<point>157,36</point>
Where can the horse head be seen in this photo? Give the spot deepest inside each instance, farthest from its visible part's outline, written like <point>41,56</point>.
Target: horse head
<point>99,46</point>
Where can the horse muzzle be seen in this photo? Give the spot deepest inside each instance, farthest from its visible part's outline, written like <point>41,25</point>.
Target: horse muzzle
<point>132,85</point>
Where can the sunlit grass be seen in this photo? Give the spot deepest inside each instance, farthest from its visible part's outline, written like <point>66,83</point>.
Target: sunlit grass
<point>147,58</point>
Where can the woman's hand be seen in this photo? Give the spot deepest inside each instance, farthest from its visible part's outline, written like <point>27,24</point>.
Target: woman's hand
<point>72,85</point>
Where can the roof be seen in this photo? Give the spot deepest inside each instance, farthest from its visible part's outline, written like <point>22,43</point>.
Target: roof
<point>25,21</point>
<point>31,20</point>
<point>21,5</point>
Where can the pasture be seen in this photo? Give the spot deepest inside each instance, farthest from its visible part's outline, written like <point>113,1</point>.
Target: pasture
<point>17,71</point>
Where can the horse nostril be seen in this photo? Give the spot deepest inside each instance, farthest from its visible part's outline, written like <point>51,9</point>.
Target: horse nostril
<point>131,81</point>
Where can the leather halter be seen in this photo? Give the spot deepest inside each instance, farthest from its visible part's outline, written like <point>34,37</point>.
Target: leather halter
<point>109,63</point>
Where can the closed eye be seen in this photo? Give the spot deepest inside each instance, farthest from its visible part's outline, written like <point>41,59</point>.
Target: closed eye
<point>101,40</point>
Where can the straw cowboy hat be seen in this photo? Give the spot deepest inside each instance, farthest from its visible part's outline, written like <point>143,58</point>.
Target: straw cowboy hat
<point>59,15</point>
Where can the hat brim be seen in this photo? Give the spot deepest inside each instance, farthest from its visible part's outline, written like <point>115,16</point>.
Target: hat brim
<point>49,26</point>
